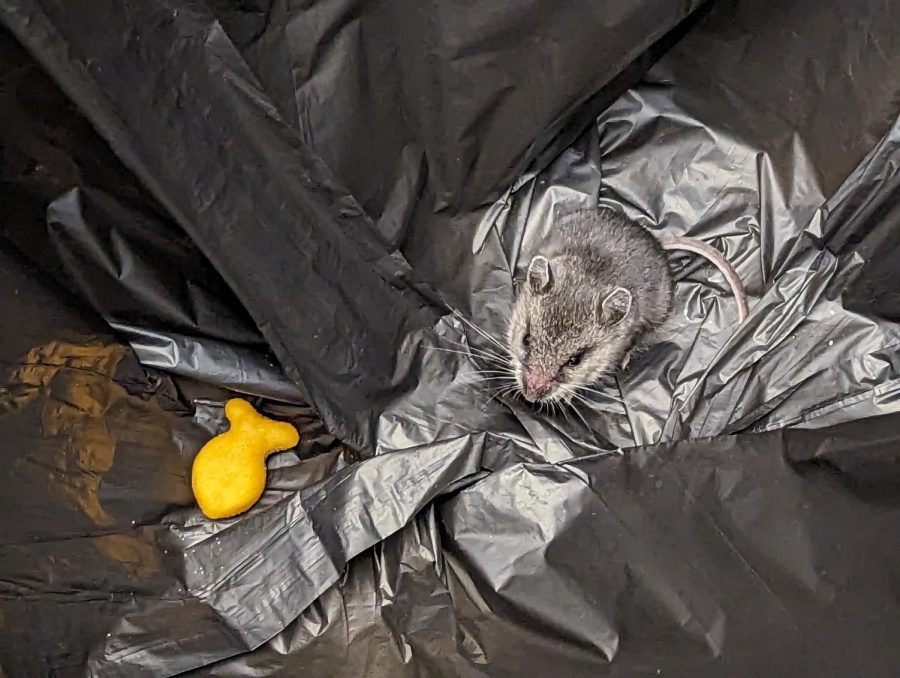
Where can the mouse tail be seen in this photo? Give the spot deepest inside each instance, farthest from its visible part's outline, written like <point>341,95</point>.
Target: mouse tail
<point>719,261</point>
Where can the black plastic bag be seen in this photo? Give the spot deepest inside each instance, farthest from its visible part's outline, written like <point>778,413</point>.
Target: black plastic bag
<point>184,184</point>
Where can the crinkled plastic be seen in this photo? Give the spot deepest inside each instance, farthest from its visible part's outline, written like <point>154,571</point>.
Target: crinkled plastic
<point>176,229</point>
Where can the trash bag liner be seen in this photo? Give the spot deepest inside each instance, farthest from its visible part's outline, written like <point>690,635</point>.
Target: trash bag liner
<point>324,203</point>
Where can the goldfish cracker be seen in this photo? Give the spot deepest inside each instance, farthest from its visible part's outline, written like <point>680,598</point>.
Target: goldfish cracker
<point>229,473</point>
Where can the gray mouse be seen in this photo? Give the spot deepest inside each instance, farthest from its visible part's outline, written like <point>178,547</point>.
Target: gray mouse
<point>591,296</point>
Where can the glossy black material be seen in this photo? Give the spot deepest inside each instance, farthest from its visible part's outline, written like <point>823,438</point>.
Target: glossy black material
<point>286,200</point>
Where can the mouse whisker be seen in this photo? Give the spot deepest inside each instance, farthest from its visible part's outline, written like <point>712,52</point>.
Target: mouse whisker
<point>495,396</point>
<point>571,392</point>
<point>565,413</point>
<point>557,408</point>
<point>501,393</point>
<point>491,350</point>
<point>494,373</point>
<point>574,395</point>
<point>467,351</point>
<point>496,370</point>
<point>488,382</point>
<point>583,420</point>
<point>505,378</point>
<point>480,331</point>
<point>587,389</point>
<point>487,357</point>
<point>578,414</point>
<point>485,354</point>
<point>496,365</point>
<point>469,354</point>
<point>582,390</point>
<point>578,397</point>
<point>510,383</point>
<point>574,404</point>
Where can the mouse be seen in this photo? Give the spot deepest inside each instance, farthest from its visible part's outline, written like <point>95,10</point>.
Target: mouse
<point>592,295</point>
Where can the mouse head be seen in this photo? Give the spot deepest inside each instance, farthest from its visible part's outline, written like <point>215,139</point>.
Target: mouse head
<point>568,329</point>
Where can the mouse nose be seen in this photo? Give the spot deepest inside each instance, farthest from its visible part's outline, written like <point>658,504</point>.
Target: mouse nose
<point>536,384</point>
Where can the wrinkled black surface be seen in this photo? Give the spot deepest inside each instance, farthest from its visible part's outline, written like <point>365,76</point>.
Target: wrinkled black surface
<point>171,176</point>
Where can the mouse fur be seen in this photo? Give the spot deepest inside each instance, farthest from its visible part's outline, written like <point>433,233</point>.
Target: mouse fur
<point>596,287</point>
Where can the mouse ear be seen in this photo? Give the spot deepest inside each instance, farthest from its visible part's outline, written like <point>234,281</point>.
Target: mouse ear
<point>540,278</point>
<point>615,306</point>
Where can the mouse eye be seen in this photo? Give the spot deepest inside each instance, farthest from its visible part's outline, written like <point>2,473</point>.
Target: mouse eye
<point>575,360</point>
<point>526,340</point>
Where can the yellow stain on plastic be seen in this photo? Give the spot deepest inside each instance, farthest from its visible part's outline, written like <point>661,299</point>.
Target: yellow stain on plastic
<point>229,473</point>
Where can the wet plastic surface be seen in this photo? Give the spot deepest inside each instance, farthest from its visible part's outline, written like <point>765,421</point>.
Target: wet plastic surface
<point>175,229</point>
